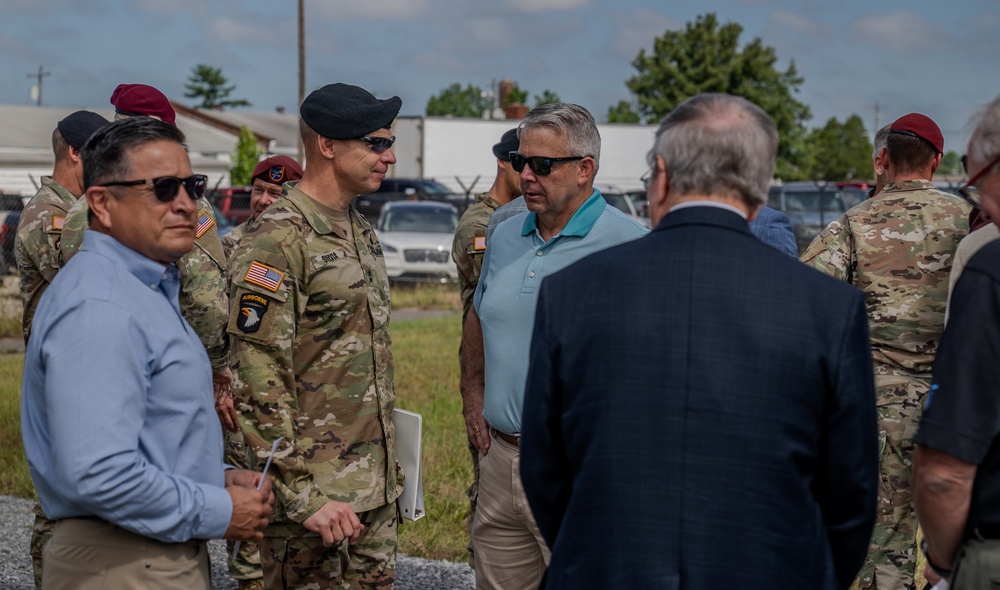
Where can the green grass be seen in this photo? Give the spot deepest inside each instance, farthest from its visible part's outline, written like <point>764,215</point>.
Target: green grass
<point>10,327</point>
<point>425,352</point>
<point>14,477</point>
<point>425,296</point>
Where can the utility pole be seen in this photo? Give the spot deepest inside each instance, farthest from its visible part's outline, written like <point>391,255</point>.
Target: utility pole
<point>302,68</point>
<point>39,75</point>
<point>875,130</point>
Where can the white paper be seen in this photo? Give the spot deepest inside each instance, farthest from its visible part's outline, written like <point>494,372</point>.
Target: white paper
<point>408,447</point>
<point>942,585</point>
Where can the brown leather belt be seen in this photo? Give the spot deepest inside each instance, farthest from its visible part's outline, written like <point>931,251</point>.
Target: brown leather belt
<point>507,438</point>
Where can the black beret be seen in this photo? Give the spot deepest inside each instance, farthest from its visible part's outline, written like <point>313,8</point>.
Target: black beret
<point>508,143</point>
<point>79,126</point>
<point>343,111</point>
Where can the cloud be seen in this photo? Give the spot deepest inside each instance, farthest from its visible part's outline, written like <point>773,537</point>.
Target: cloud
<point>339,10</point>
<point>632,31</point>
<point>537,6</point>
<point>903,33</point>
<point>799,25</point>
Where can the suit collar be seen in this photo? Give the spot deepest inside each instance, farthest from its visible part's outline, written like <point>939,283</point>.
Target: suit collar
<point>703,216</point>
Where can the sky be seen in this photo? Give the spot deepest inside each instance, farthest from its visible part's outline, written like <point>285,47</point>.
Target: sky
<point>933,57</point>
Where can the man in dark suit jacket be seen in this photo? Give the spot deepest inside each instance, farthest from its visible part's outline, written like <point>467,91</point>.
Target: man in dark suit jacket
<point>699,411</point>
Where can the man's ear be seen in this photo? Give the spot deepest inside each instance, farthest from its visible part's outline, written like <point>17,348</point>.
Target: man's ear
<point>74,154</point>
<point>325,146</point>
<point>880,163</point>
<point>585,172</point>
<point>101,200</point>
<point>936,163</point>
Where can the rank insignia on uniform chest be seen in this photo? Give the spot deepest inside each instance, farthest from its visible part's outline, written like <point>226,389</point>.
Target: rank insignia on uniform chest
<point>58,222</point>
<point>264,275</point>
<point>204,223</point>
<point>252,310</point>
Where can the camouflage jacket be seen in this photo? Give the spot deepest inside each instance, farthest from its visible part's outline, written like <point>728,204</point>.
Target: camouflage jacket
<point>204,296</point>
<point>469,246</point>
<point>230,240</point>
<point>36,247</point>
<point>312,359</point>
<point>898,248</point>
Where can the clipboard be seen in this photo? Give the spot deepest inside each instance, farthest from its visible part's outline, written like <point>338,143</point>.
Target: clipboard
<point>409,427</point>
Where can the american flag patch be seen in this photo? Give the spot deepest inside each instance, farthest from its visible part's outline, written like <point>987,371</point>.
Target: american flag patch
<point>263,275</point>
<point>204,222</point>
<point>58,222</point>
<point>479,243</point>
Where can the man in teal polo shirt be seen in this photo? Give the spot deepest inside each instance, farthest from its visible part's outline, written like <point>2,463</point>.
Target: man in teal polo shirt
<point>566,220</point>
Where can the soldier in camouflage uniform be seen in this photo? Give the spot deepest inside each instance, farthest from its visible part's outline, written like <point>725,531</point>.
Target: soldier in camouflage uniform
<point>312,358</point>
<point>467,251</point>
<point>898,248</point>
<point>266,180</point>
<point>36,250</point>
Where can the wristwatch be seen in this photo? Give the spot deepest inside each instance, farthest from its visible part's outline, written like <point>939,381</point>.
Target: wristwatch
<point>939,571</point>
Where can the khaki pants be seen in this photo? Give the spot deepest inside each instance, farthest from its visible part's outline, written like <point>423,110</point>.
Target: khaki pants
<point>509,550</point>
<point>977,566</point>
<point>91,554</point>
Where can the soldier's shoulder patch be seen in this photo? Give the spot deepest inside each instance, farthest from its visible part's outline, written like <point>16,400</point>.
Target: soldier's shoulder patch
<point>252,310</point>
<point>205,222</point>
<point>479,243</point>
<point>265,276</point>
<point>58,222</point>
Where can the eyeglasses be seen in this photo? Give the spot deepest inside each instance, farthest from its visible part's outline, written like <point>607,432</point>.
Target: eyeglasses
<point>166,188</point>
<point>646,179</point>
<point>970,193</point>
<point>540,165</point>
<point>379,144</point>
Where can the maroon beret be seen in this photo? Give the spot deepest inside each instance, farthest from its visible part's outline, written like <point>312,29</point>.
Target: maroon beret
<point>139,99</point>
<point>920,126</point>
<point>277,169</point>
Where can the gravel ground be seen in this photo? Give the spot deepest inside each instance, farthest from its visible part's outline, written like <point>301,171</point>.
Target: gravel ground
<point>412,573</point>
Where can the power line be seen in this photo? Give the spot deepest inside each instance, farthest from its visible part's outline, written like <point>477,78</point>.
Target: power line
<point>40,74</point>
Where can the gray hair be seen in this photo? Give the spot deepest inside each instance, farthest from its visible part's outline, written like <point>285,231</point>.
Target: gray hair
<point>881,140</point>
<point>571,121</point>
<point>718,144</point>
<point>985,144</point>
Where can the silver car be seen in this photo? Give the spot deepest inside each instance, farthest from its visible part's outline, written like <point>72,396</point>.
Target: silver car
<point>416,239</point>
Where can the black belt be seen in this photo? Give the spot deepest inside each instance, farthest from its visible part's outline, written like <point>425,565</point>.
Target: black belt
<point>507,438</point>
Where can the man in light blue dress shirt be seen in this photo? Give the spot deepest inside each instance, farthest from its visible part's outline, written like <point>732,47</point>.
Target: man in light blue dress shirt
<point>566,220</point>
<point>123,443</point>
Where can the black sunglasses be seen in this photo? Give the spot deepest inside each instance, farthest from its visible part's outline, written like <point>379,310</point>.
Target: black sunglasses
<point>540,165</point>
<point>379,144</point>
<point>167,187</point>
<point>970,193</point>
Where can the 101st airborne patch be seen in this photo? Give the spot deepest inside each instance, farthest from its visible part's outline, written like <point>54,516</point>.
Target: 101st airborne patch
<point>252,310</point>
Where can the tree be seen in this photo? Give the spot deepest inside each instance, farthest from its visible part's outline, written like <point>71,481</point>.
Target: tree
<point>546,97</point>
<point>245,157</point>
<point>456,101</point>
<point>208,85</point>
<point>515,96</point>
<point>623,113</point>
<point>841,151</point>
<point>951,164</point>
<point>706,57</point>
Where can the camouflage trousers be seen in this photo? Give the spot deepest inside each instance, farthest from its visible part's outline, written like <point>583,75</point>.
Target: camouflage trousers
<point>296,559</point>
<point>892,555</point>
<point>246,564</point>
<point>473,494</point>
<point>41,532</point>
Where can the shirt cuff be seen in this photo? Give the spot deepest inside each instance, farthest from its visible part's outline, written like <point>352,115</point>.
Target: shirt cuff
<point>217,514</point>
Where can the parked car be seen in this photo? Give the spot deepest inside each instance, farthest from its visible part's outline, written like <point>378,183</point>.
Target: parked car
<point>624,202</point>
<point>407,189</point>
<point>809,213</point>
<point>10,214</point>
<point>233,203</point>
<point>416,240</point>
